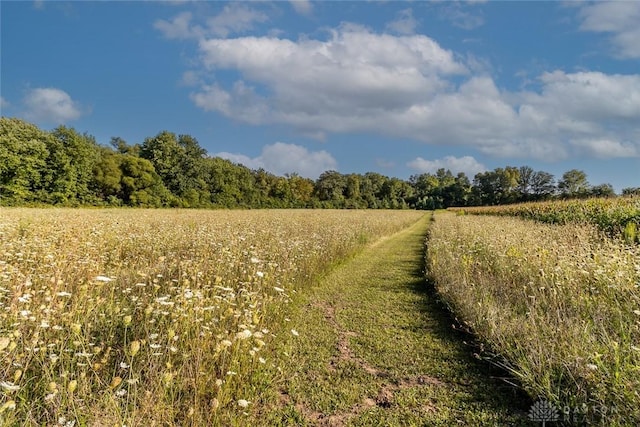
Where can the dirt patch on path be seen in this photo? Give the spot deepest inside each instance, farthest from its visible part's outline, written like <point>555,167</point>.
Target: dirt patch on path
<point>344,354</point>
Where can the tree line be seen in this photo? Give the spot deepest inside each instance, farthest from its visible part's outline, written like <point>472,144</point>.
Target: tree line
<point>67,168</point>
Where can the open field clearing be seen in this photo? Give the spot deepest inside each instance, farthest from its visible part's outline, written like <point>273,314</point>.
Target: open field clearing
<point>156,317</point>
<point>377,349</point>
<point>559,304</point>
<point>616,216</point>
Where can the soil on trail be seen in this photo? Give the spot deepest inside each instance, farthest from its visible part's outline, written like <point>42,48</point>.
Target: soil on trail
<point>377,348</point>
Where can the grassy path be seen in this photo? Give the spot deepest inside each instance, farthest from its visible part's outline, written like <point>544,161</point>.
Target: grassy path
<point>376,348</point>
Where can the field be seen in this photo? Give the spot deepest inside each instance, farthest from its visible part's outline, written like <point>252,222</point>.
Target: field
<point>115,317</point>
<point>615,216</point>
<point>557,305</point>
<point>158,317</point>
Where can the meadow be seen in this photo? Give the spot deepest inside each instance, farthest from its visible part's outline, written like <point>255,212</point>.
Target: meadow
<point>158,317</point>
<point>556,305</point>
<point>615,216</point>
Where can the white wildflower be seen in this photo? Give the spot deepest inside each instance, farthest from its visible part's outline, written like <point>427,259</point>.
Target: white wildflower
<point>244,334</point>
<point>7,386</point>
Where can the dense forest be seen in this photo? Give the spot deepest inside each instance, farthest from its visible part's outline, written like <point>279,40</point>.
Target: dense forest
<point>67,168</point>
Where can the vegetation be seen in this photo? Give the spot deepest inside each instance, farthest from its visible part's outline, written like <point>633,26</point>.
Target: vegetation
<point>559,306</point>
<point>615,216</point>
<point>377,349</point>
<point>67,168</point>
<point>157,317</point>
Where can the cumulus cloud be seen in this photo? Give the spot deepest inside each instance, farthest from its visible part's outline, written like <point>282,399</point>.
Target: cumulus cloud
<point>404,23</point>
<point>605,148</point>
<point>179,27</point>
<point>303,7</point>
<point>234,18</point>
<point>339,84</point>
<point>467,164</point>
<point>281,158</point>
<point>408,86</point>
<point>620,19</point>
<point>51,105</point>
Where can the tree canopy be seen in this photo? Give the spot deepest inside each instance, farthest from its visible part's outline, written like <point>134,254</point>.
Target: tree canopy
<point>65,167</point>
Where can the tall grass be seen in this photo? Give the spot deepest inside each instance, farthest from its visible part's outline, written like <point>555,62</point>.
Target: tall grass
<point>147,317</point>
<point>615,216</point>
<point>560,305</point>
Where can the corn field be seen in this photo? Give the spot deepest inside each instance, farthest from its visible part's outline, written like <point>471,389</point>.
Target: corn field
<point>615,216</point>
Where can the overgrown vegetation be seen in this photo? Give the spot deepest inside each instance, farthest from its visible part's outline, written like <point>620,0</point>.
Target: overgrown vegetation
<point>559,306</point>
<point>157,317</point>
<point>616,217</point>
<point>66,168</point>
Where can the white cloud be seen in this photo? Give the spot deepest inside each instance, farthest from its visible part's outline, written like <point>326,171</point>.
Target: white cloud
<point>51,105</point>
<point>235,18</point>
<point>190,78</point>
<point>241,103</point>
<point>179,27</point>
<point>303,7</point>
<point>340,84</point>
<point>620,18</point>
<point>461,16</point>
<point>240,158</point>
<point>356,80</point>
<point>588,110</point>
<point>466,164</point>
<point>606,148</point>
<point>281,158</point>
<point>404,23</point>
<point>4,103</point>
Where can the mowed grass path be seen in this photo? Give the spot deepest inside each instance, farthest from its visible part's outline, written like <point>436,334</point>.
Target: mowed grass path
<point>376,348</point>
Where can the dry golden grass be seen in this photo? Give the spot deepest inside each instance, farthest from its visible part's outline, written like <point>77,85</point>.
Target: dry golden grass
<point>560,304</point>
<point>156,317</point>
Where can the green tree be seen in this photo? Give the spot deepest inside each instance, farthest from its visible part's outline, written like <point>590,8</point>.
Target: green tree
<point>631,191</point>
<point>330,187</point>
<point>107,176</point>
<point>23,161</point>
<point>72,157</point>
<point>122,147</point>
<point>231,185</point>
<point>496,187</point>
<point>542,185</point>
<point>141,185</point>
<point>574,184</point>
<point>602,190</point>
<point>301,190</point>
<point>371,186</point>
<point>179,161</point>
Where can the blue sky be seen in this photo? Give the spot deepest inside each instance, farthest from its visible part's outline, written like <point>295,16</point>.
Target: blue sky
<point>393,87</point>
